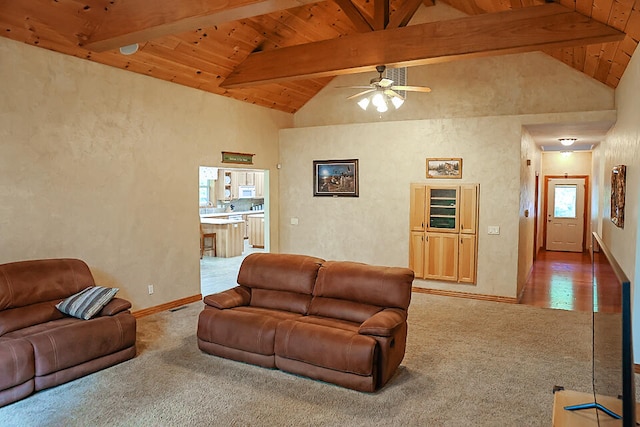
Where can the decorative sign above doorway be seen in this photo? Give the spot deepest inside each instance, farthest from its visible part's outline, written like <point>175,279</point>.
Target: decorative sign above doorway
<point>618,183</point>
<point>240,158</point>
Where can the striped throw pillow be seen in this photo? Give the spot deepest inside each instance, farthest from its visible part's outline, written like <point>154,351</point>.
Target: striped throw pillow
<point>86,303</point>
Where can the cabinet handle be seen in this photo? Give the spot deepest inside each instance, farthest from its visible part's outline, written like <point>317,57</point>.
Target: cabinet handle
<point>427,238</point>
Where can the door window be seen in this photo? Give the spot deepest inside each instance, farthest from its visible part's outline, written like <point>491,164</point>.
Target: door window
<point>565,199</point>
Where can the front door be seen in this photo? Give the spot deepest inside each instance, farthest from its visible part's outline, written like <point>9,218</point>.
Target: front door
<point>565,214</point>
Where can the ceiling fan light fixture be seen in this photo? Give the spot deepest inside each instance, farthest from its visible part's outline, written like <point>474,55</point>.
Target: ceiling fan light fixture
<point>567,141</point>
<point>378,100</point>
<point>364,103</point>
<point>397,102</point>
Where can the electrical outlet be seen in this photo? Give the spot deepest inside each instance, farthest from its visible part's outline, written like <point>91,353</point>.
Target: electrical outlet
<point>493,229</point>
<point>150,289</point>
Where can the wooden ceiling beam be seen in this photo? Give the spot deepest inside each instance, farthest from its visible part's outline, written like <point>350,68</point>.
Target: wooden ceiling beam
<point>357,18</point>
<point>380,14</point>
<point>402,16</point>
<point>521,30</point>
<point>143,20</point>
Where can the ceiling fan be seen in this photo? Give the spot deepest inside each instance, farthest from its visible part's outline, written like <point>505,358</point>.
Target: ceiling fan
<point>381,89</point>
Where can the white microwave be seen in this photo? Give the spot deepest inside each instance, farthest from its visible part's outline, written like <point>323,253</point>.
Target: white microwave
<point>246,191</point>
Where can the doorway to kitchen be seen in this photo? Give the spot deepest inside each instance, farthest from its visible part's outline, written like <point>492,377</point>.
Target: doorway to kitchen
<point>233,205</point>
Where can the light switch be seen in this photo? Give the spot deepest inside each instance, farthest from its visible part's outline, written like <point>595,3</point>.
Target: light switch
<point>494,229</point>
<point>294,221</point>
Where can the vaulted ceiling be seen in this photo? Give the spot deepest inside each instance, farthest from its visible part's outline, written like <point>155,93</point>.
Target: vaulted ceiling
<point>280,53</point>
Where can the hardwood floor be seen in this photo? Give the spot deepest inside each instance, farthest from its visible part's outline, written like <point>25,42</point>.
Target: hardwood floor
<point>560,280</point>
<point>219,274</point>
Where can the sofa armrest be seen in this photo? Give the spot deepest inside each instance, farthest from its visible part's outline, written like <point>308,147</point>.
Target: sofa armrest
<point>383,323</point>
<point>233,297</point>
<point>115,306</point>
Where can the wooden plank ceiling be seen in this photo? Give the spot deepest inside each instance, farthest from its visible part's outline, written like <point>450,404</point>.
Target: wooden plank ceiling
<point>280,53</point>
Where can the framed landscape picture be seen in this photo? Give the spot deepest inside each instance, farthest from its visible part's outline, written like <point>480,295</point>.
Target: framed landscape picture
<point>335,178</point>
<point>444,168</point>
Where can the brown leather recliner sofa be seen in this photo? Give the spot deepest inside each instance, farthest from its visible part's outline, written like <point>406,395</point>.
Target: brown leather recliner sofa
<point>40,347</point>
<point>339,322</point>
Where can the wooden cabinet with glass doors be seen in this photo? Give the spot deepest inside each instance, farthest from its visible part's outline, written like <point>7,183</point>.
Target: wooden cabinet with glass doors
<point>443,223</point>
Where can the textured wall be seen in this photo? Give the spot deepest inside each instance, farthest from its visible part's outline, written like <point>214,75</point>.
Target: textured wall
<point>528,152</point>
<point>622,146</point>
<point>100,164</point>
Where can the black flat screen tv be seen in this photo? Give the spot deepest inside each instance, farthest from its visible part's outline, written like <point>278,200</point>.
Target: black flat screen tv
<point>613,366</point>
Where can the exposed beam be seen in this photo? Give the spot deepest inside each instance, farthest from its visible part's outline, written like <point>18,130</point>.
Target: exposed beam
<point>143,20</point>
<point>521,30</point>
<point>380,14</point>
<point>357,18</point>
<point>402,16</point>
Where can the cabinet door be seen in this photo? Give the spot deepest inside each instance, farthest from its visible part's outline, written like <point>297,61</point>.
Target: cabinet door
<point>258,179</point>
<point>467,259</point>
<point>468,208</point>
<point>417,208</point>
<point>441,256</point>
<point>416,253</point>
<point>442,208</point>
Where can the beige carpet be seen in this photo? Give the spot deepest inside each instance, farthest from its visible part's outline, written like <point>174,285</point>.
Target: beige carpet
<point>468,363</point>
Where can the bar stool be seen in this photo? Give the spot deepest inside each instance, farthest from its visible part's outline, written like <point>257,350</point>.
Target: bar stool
<point>203,246</point>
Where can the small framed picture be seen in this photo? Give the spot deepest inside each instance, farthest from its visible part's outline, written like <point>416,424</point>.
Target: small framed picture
<point>335,178</point>
<point>444,168</point>
<point>618,183</point>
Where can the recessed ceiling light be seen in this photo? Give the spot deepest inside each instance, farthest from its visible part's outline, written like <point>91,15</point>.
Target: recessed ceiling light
<point>567,141</point>
<point>129,49</point>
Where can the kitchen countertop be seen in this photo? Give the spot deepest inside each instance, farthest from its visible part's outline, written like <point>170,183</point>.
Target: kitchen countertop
<point>220,221</point>
<point>223,214</point>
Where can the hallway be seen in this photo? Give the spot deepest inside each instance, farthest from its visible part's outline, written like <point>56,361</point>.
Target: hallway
<point>560,280</point>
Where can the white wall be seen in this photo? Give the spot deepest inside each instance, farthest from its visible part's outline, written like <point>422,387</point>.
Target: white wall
<point>529,171</point>
<point>622,147</point>
<point>102,164</point>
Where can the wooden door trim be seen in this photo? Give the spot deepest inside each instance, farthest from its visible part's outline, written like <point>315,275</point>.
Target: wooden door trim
<point>587,197</point>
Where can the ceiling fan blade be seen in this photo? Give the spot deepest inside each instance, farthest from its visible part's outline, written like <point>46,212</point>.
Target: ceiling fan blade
<point>354,87</point>
<point>412,88</point>
<point>384,82</point>
<point>360,94</point>
<point>389,92</point>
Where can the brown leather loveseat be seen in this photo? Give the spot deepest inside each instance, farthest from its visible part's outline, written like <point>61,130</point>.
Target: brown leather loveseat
<point>340,322</point>
<point>40,347</point>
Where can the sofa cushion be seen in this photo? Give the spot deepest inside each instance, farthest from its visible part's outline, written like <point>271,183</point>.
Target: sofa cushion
<point>243,328</point>
<point>342,309</point>
<point>328,347</point>
<point>279,272</point>
<point>30,282</point>
<point>81,341</point>
<point>17,318</point>
<point>365,284</point>
<point>88,302</point>
<point>280,300</point>
<point>16,362</point>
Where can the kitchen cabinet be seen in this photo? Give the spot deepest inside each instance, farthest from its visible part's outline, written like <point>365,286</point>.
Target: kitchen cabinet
<point>256,230</point>
<point>258,181</point>
<point>441,256</point>
<point>443,224</point>
<point>467,258</point>
<point>229,235</point>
